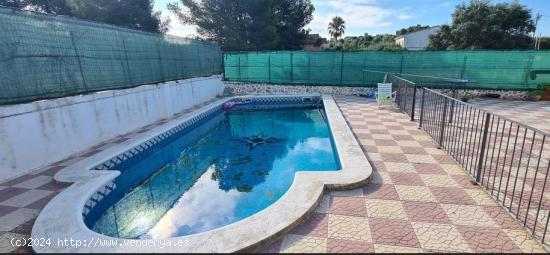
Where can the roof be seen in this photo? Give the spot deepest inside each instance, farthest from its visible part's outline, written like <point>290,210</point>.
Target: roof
<point>403,35</point>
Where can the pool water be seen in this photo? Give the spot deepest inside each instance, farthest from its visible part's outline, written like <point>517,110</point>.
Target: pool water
<point>229,167</point>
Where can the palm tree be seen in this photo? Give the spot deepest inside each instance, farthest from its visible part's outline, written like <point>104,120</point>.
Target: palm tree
<point>336,27</point>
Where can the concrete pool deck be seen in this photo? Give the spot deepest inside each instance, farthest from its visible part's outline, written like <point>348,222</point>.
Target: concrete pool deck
<point>419,199</point>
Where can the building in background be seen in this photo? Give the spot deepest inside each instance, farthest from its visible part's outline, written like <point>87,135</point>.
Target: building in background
<point>418,40</point>
<point>314,42</point>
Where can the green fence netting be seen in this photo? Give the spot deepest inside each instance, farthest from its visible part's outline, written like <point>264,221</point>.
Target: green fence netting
<point>43,56</point>
<point>485,69</point>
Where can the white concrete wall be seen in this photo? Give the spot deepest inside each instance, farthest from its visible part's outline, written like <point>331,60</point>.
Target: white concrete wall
<point>419,40</point>
<point>36,134</point>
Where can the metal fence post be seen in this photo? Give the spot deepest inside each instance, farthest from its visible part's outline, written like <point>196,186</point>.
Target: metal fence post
<point>453,104</point>
<point>443,120</point>
<point>127,63</point>
<point>160,63</point>
<point>401,65</point>
<point>483,147</point>
<point>79,62</point>
<point>405,95</point>
<point>269,67</point>
<point>341,67</point>
<point>239,66</point>
<point>291,67</point>
<point>413,110</point>
<point>308,68</point>
<point>183,66</point>
<point>422,108</point>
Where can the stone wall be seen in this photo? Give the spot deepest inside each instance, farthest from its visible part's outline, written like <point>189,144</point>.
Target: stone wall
<point>504,94</point>
<point>239,88</point>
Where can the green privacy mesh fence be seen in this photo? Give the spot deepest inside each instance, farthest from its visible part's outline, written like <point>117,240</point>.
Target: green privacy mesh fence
<point>44,56</point>
<point>487,69</point>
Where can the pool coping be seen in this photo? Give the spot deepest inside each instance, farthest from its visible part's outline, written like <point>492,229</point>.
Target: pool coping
<point>61,218</point>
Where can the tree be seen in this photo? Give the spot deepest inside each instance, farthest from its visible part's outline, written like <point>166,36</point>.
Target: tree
<point>336,27</point>
<point>248,24</point>
<point>481,25</point>
<point>410,29</point>
<point>383,42</point>
<point>134,14</point>
<point>544,43</point>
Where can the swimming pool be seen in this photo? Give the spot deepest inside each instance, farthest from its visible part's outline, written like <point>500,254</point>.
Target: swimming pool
<point>223,168</point>
<point>113,188</point>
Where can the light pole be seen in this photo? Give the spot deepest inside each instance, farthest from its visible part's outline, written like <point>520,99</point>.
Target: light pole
<point>539,16</point>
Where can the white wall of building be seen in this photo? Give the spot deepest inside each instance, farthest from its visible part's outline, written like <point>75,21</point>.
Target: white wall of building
<point>36,134</point>
<point>417,40</point>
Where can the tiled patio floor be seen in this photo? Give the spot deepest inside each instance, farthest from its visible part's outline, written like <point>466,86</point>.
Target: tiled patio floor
<point>419,199</point>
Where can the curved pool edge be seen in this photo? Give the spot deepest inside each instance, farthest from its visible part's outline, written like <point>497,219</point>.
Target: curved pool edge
<point>62,216</point>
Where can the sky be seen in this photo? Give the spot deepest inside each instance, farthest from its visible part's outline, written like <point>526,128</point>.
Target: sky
<point>378,16</point>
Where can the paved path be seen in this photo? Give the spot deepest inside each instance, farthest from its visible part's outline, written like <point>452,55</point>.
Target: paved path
<point>419,200</point>
<point>535,114</point>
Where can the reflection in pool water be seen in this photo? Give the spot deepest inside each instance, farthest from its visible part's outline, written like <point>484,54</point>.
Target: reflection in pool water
<point>228,168</point>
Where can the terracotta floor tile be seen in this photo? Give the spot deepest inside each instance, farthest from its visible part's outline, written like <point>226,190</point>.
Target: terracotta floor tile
<point>6,210</point>
<point>425,212</point>
<point>410,179</point>
<point>316,226</point>
<point>349,228</point>
<point>303,244</point>
<point>464,181</point>
<point>452,196</point>
<point>437,180</point>
<point>41,203</point>
<point>350,206</point>
<point>348,193</point>
<point>415,158</point>
<point>346,246</point>
<point>413,150</point>
<point>399,167</point>
<point>468,215</point>
<point>386,209</point>
<point>480,196</point>
<point>524,241</point>
<point>427,168</point>
<point>35,182</point>
<point>18,180</point>
<point>442,237</point>
<point>485,240</point>
<point>394,157</point>
<point>415,193</point>
<point>26,198</point>
<point>381,178</point>
<point>393,232</point>
<point>501,217</point>
<point>380,191</point>
<point>11,192</point>
<point>382,248</point>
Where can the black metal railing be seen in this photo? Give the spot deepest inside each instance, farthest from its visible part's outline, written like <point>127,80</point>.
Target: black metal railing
<point>405,94</point>
<point>509,159</point>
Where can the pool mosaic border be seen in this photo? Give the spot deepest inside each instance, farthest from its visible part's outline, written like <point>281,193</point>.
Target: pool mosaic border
<point>259,103</point>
